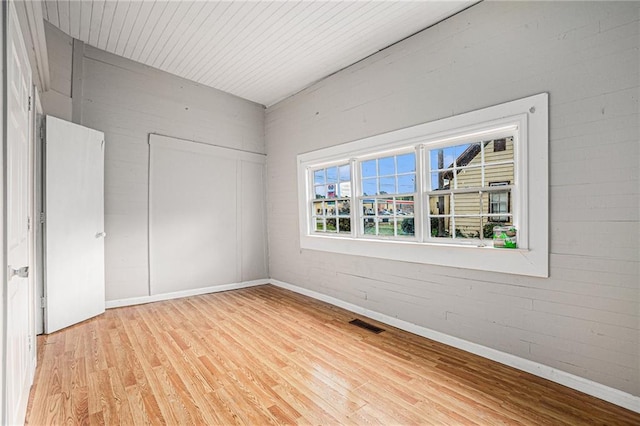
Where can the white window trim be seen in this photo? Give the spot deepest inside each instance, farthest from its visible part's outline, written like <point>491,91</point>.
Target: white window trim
<point>530,115</point>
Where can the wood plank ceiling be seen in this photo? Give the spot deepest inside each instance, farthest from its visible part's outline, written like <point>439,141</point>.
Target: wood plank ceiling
<point>263,51</point>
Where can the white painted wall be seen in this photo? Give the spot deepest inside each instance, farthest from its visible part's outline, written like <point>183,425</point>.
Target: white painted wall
<point>206,216</point>
<point>57,100</point>
<point>127,101</point>
<point>585,318</point>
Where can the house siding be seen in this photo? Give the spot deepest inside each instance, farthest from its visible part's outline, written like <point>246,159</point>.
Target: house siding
<point>584,319</point>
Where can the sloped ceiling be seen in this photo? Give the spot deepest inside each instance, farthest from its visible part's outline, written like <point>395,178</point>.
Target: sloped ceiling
<point>263,51</point>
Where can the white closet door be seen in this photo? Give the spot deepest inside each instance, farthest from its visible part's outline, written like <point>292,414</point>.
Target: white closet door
<point>195,215</point>
<point>74,208</point>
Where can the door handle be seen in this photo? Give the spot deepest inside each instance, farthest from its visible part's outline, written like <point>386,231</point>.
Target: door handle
<point>20,272</point>
<point>101,234</point>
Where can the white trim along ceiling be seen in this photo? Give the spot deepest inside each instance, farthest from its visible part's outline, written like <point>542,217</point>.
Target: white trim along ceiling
<point>263,51</point>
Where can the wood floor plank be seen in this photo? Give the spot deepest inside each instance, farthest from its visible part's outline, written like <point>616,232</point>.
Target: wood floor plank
<point>264,355</point>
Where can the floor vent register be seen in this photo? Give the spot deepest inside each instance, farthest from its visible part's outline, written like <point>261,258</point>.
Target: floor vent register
<point>366,326</point>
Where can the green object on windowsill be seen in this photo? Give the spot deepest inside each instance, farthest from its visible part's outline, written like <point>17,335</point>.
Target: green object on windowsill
<point>505,237</point>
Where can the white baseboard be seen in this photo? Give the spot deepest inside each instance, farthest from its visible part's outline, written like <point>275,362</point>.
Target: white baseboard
<point>186,293</point>
<point>609,394</point>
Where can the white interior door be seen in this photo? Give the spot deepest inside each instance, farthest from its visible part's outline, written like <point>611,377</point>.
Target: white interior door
<point>19,335</point>
<point>74,224</point>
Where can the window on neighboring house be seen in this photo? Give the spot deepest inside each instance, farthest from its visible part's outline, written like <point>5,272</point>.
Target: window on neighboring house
<point>499,145</point>
<point>499,202</point>
<point>432,193</point>
<point>387,195</point>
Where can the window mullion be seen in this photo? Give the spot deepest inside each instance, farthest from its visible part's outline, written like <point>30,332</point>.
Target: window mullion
<point>311,218</point>
<point>394,217</point>
<point>419,209</point>
<point>452,212</point>
<point>482,166</point>
<point>481,236</point>
<point>355,199</point>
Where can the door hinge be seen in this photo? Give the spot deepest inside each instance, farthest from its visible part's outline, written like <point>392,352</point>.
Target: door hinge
<point>41,217</point>
<point>29,103</point>
<point>28,223</point>
<point>43,302</point>
<point>43,129</point>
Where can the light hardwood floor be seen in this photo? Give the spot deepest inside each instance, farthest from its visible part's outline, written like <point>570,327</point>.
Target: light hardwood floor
<point>266,355</point>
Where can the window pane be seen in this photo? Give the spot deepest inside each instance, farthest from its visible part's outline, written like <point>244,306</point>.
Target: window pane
<point>439,204</point>
<point>467,203</point>
<point>387,185</point>
<point>345,172</point>
<point>468,227</point>
<point>344,208</point>
<point>406,163</point>
<point>487,227</point>
<point>318,177</point>
<point>469,177</point>
<point>368,207</point>
<point>499,151</point>
<point>317,208</point>
<point>369,168</point>
<point>331,190</point>
<point>369,186</point>
<point>441,227</point>
<point>498,174</point>
<point>330,207</point>
<point>319,225</point>
<point>386,226</point>
<point>331,225</point>
<point>344,189</point>
<point>406,183</point>
<point>404,206</point>
<point>386,166</point>
<point>369,226</point>
<point>441,180</point>
<point>385,206</point>
<point>441,158</point>
<point>405,227</point>
<point>321,191</point>
<point>468,154</point>
<point>344,226</point>
<point>332,174</point>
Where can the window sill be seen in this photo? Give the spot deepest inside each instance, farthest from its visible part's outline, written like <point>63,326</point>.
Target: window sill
<point>529,262</point>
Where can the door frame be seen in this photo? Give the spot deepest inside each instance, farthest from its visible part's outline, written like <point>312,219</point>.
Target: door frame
<point>3,208</point>
<point>38,213</point>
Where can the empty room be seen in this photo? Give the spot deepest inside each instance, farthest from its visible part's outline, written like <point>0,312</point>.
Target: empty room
<point>320,212</point>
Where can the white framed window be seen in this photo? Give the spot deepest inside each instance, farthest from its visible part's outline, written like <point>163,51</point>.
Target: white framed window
<point>470,184</point>
<point>386,195</point>
<point>432,193</point>
<point>331,199</point>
